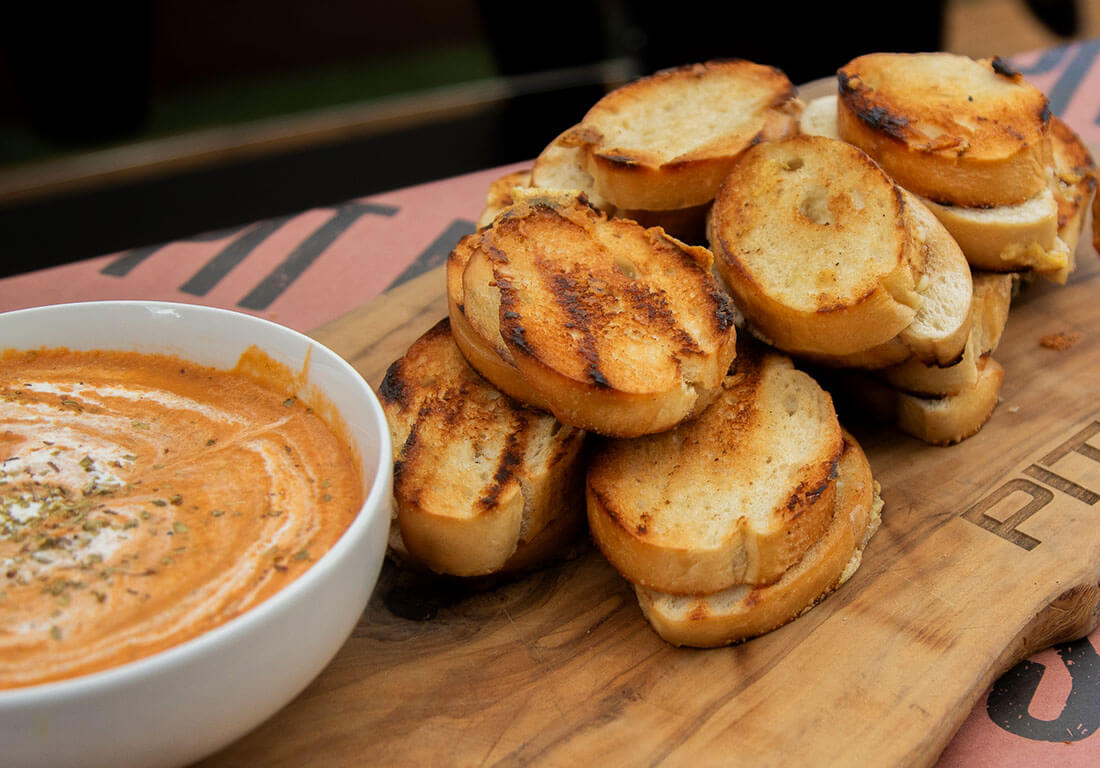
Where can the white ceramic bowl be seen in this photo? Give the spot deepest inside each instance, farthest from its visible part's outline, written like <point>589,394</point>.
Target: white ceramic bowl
<point>184,703</point>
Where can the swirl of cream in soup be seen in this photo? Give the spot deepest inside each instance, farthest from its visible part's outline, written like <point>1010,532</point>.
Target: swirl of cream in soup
<point>145,500</point>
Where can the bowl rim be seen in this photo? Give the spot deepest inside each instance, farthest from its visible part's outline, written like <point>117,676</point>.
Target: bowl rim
<point>374,504</point>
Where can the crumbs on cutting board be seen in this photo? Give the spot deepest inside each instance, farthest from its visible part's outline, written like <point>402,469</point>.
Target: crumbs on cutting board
<point>1060,341</point>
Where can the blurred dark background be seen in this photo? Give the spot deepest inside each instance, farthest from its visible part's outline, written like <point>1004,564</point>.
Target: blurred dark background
<point>132,123</point>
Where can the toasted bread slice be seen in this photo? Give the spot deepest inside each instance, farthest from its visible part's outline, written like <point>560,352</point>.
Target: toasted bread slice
<point>479,340</point>
<point>951,419</point>
<point>935,420</point>
<point>937,334</point>
<point>560,538</point>
<point>1005,237</point>
<point>1074,188</point>
<point>499,196</point>
<point>744,611</point>
<point>562,165</point>
<point>819,117</point>
<point>1074,176</point>
<point>666,141</point>
<point>618,329</point>
<point>947,127</point>
<point>813,239</point>
<point>477,477</point>
<point>734,496</point>
<point>989,314</point>
<point>485,359</point>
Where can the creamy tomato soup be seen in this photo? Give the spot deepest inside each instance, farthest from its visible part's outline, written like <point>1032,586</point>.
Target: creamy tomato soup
<point>145,500</point>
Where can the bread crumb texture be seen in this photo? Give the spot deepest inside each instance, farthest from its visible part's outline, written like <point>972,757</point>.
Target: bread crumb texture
<point>1060,341</point>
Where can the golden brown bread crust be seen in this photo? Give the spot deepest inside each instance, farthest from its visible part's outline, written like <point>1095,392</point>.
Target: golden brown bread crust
<point>1007,237</point>
<point>935,420</point>
<point>560,539</point>
<point>477,477</point>
<point>485,360</point>
<point>812,238</point>
<point>992,298</point>
<point>954,418</point>
<point>649,150</point>
<point>939,330</point>
<point>1074,185</point>
<point>562,165</point>
<point>493,361</point>
<point>742,612</point>
<point>946,127</point>
<point>1074,180</point>
<point>619,329</point>
<point>736,495</point>
<point>499,195</point>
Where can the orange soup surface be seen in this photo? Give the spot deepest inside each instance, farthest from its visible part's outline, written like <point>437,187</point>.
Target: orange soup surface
<point>145,500</point>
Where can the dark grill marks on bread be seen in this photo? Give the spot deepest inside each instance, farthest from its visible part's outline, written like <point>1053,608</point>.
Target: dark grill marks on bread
<point>451,406</point>
<point>735,495</point>
<point>804,497</point>
<point>613,327</point>
<point>393,389</point>
<point>482,484</point>
<point>946,127</point>
<point>509,461</point>
<point>572,294</point>
<point>1019,237</point>
<point>584,299</point>
<point>878,117</point>
<point>744,611</point>
<point>812,238</point>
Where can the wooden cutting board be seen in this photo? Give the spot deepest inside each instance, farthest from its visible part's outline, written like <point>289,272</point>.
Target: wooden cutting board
<point>989,551</point>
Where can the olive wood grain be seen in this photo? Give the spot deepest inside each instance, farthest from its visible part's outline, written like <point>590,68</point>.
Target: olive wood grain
<point>560,668</point>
